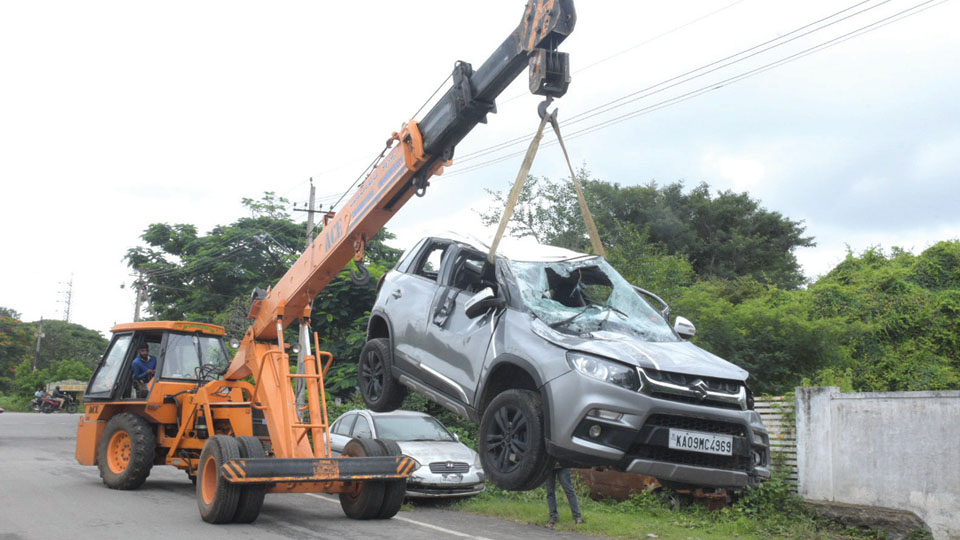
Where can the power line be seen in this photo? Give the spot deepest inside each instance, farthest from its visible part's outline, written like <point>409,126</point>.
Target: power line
<point>649,91</point>
<point>914,10</point>
<point>638,45</point>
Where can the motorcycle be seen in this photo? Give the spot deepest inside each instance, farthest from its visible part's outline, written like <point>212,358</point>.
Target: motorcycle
<point>47,404</point>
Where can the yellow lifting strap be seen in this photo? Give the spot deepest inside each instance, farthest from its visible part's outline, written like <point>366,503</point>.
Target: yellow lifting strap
<point>522,178</point>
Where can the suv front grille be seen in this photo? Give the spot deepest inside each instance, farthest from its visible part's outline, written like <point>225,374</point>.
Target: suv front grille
<point>443,467</point>
<point>652,443</point>
<point>696,424</point>
<point>694,389</point>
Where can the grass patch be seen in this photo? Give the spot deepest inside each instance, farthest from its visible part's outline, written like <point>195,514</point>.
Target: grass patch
<point>14,404</point>
<point>771,511</point>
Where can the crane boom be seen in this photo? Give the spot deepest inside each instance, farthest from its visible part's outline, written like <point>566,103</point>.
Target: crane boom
<point>421,151</point>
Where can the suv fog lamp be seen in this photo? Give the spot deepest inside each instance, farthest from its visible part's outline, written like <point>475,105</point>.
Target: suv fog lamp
<point>605,370</point>
<point>757,457</point>
<point>594,431</point>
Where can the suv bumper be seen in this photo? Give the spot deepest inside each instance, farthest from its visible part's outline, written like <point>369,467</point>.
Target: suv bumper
<point>631,431</point>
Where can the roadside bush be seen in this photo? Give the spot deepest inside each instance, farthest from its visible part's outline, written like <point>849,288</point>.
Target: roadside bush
<point>14,404</point>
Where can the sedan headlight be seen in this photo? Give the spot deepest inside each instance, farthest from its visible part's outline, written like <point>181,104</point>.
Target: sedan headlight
<point>476,463</point>
<point>605,370</point>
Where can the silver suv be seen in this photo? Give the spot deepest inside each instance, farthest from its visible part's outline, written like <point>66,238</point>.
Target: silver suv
<point>559,359</point>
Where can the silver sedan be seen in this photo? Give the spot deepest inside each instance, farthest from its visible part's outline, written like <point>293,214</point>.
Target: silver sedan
<point>448,468</point>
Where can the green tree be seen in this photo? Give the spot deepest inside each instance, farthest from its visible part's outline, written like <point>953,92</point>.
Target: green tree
<point>209,278</point>
<point>724,236</point>
<point>68,341</point>
<point>16,346</point>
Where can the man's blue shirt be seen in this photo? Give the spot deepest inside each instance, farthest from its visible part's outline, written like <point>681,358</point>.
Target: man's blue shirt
<point>140,368</point>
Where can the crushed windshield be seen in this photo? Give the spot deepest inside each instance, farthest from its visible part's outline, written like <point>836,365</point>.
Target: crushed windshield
<point>580,296</point>
<point>411,428</point>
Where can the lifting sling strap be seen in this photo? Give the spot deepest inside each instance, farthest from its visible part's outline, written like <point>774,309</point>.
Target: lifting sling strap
<point>522,178</point>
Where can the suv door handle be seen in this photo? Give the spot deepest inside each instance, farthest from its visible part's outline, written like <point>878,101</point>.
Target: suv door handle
<point>397,293</point>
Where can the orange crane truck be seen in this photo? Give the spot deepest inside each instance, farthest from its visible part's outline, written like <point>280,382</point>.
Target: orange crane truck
<point>185,403</point>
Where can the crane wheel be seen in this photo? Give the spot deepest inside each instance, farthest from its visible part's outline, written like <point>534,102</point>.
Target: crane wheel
<point>217,498</point>
<point>126,451</point>
<point>394,490</point>
<point>366,501</point>
<point>251,497</point>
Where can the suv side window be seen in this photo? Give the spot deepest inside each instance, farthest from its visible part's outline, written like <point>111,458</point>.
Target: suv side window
<point>431,261</point>
<point>362,429</point>
<point>472,272</point>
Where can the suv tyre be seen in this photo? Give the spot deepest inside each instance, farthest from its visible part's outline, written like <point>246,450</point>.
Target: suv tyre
<point>512,441</point>
<point>380,389</point>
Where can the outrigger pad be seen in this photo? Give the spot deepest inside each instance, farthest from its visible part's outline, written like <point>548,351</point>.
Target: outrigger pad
<point>261,470</point>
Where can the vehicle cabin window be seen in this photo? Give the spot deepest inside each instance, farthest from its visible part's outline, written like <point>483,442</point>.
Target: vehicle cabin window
<point>410,255</point>
<point>107,375</point>
<point>431,261</point>
<point>344,424</point>
<point>362,429</point>
<point>472,272</point>
<point>185,353</point>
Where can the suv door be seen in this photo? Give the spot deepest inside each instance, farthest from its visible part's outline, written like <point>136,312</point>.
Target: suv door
<point>407,300</point>
<point>453,344</point>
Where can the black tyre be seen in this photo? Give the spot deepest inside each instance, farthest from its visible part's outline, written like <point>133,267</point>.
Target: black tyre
<point>512,446</point>
<point>126,451</point>
<point>71,407</point>
<point>393,490</point>
<point>380,390</point>
<point>46,408</point>
<point>251,497</point>
<point>366,501</point>
<point>217,498</point>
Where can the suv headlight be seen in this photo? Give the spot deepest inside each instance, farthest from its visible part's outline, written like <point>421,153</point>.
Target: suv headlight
<point>605,370</point>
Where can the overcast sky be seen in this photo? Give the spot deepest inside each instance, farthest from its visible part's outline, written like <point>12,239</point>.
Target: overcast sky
<point>116,115</point>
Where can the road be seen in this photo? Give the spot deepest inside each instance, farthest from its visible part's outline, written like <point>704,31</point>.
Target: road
<point>45,494</point>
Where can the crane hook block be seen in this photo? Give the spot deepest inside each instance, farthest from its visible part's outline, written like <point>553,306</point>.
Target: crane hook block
<point>362,277</point>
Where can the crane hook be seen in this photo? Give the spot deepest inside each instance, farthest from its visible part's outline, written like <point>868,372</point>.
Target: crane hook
<point>361,278</point>
<point>542,108</point>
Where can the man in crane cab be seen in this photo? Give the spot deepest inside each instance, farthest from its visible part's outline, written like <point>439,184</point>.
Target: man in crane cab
<point>144,366</point>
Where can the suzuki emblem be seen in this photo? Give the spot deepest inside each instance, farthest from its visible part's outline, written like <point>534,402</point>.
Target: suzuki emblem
<point>700,388</point>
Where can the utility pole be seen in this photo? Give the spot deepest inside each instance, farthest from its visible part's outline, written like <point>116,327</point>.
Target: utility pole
<point>40,336</point>
<point>67,299</point>
<point>139,286</point>
<point>310,212</point>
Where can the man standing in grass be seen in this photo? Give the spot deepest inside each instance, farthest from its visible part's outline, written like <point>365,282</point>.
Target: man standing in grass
<point>566,482</point>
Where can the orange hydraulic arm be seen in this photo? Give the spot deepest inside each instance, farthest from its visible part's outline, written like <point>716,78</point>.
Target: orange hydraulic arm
<point>415,154</point>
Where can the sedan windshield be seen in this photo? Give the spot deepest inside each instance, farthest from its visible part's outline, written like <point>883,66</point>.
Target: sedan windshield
<point>585,295</point>
<point>411,428</point>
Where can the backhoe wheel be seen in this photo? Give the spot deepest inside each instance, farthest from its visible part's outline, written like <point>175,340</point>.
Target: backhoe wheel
<point>251,496</point>
<point>393,490</point>
<point>512,446</point>
<point>380,389</point>
<point>126,451</point>
<point>216,497</point>
<point>366,501</point>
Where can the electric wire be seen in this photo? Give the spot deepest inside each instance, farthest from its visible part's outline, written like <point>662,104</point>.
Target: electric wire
<point>648,91</point>
<point>638,45</point>
<point>914,10</point>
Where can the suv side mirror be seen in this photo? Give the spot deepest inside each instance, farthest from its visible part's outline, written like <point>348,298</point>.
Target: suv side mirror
<point>684,328</point>
<point>481,302</point>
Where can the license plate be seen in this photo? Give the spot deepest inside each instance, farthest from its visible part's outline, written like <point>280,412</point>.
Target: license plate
<point>695,441</point>
<point>452,478</point>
